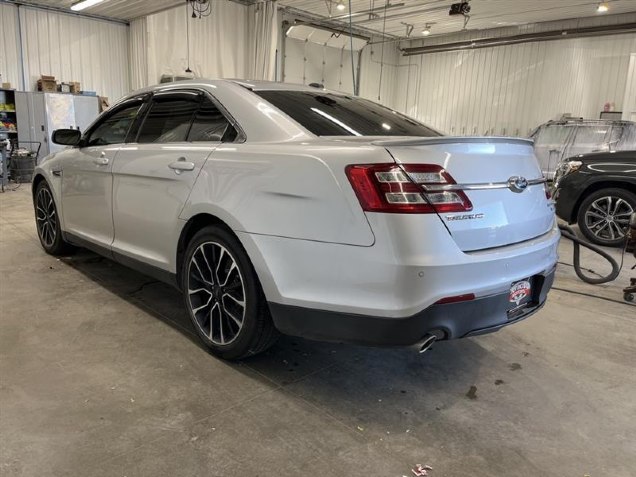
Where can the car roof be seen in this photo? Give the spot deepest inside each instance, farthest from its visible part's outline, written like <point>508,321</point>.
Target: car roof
<point>257,85</point>
<point>591,122</point>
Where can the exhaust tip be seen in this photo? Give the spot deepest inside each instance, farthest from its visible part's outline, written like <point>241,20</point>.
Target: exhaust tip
<point>427,343</point>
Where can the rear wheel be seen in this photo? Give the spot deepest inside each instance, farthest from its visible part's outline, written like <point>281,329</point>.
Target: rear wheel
<point>604,216</point>
<point>223,296</point>
<point>47,222</point>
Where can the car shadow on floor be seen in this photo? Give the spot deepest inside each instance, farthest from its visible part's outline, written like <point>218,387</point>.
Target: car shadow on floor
<point>340,377</point>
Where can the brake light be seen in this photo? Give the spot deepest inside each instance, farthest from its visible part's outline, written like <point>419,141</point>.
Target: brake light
<point>406,189</point>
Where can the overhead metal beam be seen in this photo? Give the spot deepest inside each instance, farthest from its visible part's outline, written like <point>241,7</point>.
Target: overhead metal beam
<point>523,38</point>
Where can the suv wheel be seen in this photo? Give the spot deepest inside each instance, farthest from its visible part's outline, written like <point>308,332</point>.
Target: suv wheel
<point>604,216</point>
<point>223,296</point>
<point>47,222</point>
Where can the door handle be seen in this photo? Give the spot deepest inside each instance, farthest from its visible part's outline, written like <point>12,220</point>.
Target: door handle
<point>101,161</point>
<point>181,165</point>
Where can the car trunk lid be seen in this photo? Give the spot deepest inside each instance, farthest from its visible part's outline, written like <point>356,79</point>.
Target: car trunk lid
<point>500,177</point>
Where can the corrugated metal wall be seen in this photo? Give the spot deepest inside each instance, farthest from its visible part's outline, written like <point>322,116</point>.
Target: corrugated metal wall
<point>509,90</point>
<point>70,47</point>
<point>9,54</point>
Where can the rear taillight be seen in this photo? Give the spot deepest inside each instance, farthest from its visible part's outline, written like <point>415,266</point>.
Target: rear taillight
<point>406,189</point>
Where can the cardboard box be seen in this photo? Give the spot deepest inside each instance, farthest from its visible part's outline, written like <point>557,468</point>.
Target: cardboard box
<point>6,85</point>
<point>47,86</point>
<point>47,78</point>
<point>75,87</point>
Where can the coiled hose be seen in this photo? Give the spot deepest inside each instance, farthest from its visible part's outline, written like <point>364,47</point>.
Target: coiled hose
<point>567,232</point>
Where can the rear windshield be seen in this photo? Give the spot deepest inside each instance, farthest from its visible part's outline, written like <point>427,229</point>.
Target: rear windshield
<point>327,114</point>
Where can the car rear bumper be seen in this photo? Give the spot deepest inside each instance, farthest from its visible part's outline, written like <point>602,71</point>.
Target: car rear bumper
<point>456,320</point>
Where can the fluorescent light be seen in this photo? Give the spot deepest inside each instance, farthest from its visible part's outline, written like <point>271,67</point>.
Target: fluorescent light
<point>602,7</point>
<point>85,4</point>
<point>341,6</point>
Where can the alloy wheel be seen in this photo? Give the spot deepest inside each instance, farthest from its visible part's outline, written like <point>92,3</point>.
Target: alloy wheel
<point>216,293</point>
<point>608,217</point>
<point>46,217</point>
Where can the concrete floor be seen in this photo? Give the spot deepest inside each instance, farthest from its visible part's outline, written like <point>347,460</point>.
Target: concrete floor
<point>101,375</point>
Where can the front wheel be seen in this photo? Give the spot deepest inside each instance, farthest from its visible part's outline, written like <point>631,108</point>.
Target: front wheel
<point>604,216</point>
<point>47,222</point>
<point>223,296</point>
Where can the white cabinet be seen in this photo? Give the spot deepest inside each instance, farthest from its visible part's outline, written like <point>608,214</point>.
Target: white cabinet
<point>39,114</point>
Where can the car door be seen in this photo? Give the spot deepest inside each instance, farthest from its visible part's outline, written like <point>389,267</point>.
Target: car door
<point>87,176</point>
<point>153,176</point>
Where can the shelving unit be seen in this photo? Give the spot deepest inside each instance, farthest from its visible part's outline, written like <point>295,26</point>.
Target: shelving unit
<point>8,115</point>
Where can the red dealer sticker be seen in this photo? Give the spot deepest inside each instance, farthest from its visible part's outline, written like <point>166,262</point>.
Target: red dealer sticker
<point>520,292</point>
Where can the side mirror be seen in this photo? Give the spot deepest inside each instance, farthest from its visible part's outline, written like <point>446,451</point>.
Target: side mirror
<point>66,137</point>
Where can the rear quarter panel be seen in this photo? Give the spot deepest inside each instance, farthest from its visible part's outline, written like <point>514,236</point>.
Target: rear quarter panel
<point>293,190</point>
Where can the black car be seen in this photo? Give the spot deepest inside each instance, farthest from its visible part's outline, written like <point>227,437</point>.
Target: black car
<point>598,192</point>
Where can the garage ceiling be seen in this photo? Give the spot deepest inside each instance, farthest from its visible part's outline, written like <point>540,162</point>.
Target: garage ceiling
<point>369,14</point>
<point>120,9</point>
<point>484,14</point>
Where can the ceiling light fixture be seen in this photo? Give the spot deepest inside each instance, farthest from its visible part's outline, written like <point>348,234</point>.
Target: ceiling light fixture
<point>602,7</point>
<point>84,4</point>
<point>341,6</point>
<point>427,30</point>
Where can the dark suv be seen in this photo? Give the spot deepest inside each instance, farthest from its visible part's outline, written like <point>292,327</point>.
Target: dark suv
<point>598,192</point>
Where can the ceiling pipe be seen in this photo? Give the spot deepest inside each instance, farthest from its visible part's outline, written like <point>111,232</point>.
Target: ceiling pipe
<point>523,38</point>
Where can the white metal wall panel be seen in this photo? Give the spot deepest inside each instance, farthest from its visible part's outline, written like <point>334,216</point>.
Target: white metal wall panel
<point>509,90</point>
<point>9,49</point>
<point>74,48</point>
<point>219,44</point>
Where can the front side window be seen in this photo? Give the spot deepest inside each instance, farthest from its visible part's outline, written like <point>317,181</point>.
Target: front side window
<point>114,128</point>
<point>329,114</point>
<point>168,120</point>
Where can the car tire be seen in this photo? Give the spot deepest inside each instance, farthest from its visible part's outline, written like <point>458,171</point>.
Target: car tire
<point>597,217</point>
<point>223,296</point>
<point>47,222</point>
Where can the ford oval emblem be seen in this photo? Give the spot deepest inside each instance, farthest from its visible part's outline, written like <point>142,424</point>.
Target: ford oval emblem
<point>517,184</point>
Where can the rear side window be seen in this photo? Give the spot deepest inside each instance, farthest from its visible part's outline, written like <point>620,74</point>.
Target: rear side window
<point>328,114</point>
<point>168,120</point>
<point>114,128</point>
<point>210,125</point>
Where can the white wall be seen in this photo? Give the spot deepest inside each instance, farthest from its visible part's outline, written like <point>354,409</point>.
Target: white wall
<point>235,41</point>
<point>9,55</point>
<point>69,47</point>
<point>509,90</point>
